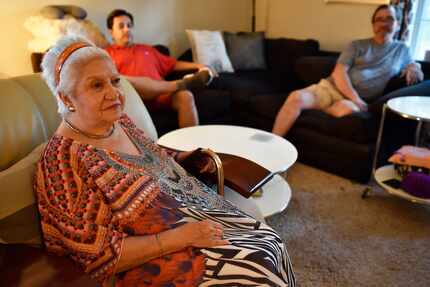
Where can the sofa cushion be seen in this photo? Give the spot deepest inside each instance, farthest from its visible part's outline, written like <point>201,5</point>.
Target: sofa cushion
<point>257,81</point>
<point>212,104</point>
<point>333,154</point>
<point>23,125</point>
<point>264,105</point>
<point>246,50</point>
<point>281,54</point>
<point>186,56</point>
<point>311,69</point>
<point>19,220</point>
<point>164,121</point>
<point>46,103</point>
<point>357,127</point>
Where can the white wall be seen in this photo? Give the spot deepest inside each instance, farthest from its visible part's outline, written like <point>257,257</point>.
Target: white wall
<point>334,25</point>
<point>157,21</point>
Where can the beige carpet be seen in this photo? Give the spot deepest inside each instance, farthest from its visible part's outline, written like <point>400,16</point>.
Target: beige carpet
<point>335,238</point>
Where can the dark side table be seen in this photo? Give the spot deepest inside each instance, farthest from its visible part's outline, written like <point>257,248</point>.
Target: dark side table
<point>411,107</point>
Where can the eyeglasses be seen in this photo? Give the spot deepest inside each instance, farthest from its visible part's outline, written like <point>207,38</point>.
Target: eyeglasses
<point>388,19</point>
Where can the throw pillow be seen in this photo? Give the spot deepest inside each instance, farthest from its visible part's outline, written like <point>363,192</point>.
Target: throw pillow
<point>208,48</point>
<point>19,217</point>
<point>246,50</point>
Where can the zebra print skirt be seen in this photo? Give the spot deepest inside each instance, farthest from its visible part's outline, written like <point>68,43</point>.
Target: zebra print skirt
<point>255,257</point>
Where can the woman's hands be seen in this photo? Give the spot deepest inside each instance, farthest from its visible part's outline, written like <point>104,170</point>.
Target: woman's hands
<point>140,249</point>
<point>206,233</point>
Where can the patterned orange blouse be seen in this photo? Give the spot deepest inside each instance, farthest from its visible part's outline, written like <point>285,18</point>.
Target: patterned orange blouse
<point>90,199</point>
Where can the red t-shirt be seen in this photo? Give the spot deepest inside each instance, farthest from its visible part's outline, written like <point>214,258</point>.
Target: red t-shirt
<point>141,60</point>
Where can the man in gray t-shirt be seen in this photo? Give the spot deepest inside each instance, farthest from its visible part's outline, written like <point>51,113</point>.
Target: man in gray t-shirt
<point>372,65</point>
<point>360,75</point>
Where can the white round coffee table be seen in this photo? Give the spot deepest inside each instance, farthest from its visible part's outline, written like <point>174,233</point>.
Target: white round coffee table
<point>270,151</point>
<point>412,107</point>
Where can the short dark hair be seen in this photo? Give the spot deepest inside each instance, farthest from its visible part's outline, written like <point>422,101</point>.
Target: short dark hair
<point>379,8</point>
<point>117,13</point>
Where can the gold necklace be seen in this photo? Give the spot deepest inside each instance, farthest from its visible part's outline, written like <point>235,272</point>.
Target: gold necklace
<point>88,135</point>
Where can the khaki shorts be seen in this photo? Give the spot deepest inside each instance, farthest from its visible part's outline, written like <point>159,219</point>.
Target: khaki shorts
<point>326,93</point>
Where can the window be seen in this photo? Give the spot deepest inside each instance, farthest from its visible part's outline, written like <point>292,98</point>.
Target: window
<point>420,40</point>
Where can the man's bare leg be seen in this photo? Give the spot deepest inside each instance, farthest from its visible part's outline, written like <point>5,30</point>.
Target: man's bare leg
<point>183,103</point>
<point>296,102</point>
<point>342,108</point>
<point>149,89</point>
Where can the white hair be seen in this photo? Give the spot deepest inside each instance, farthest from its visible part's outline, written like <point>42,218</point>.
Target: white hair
<point>68,74</point>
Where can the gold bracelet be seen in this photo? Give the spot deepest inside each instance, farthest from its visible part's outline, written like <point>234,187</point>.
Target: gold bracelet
<point>157,238</point>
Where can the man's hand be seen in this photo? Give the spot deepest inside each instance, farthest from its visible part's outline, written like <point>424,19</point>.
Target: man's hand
<point>362,105</point>
<point>212,72</point>
<point>199,80</point>
<point>413,74</point>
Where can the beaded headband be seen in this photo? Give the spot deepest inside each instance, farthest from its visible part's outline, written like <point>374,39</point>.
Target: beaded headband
<point>64,56</point>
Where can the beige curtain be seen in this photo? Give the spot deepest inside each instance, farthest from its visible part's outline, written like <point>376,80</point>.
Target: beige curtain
<point>404,9</point>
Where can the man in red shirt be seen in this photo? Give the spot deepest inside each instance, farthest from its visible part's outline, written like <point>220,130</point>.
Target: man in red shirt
<point>146,68</point>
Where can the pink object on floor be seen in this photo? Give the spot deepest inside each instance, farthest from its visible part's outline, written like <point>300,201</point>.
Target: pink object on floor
<point>412,155</point>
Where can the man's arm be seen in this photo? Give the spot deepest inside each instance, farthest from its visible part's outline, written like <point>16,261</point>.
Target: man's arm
<point>182,65</point>
<point>149,89</point>
<point>343,84</point>
<point>411,69</point>
<point>187,66</point>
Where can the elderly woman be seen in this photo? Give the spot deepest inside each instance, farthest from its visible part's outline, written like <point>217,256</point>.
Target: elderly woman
<point>118,204</point>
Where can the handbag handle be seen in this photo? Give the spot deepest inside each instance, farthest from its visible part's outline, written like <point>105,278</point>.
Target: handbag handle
<point>220,170</point>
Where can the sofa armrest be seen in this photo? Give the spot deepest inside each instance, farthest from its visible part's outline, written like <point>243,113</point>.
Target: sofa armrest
<point>394,84</point>
<point>425,66</point>
<point>22,265</point>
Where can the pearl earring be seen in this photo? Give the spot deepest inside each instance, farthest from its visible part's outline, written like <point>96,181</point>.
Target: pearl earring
<point>71,109</point>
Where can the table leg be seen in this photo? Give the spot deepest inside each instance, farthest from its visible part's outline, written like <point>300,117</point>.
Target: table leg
<point>418,133</point>
<point>377,148</point>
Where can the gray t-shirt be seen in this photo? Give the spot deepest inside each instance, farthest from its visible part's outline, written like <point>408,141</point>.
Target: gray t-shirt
<point>372,65</point>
